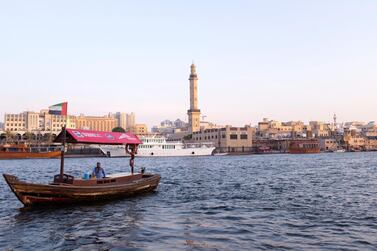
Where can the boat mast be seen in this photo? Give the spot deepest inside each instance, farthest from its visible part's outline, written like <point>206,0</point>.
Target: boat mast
<point>62,153</point>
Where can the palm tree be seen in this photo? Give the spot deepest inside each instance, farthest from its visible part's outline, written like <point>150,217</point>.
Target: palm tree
<point>2,137</point>
<point>28,136</point>
<point>8,137</point>
<point>118,129</point>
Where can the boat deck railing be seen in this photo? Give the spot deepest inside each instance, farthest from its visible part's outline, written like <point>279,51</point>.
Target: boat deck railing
<point>199,145</point>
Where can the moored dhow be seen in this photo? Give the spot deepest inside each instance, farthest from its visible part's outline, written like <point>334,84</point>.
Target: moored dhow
<point>23,151</point>
<point>302,146</point>
<point>66,189</point>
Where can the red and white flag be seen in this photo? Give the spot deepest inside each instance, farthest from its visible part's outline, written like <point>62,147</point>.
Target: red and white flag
<point>59,109</point>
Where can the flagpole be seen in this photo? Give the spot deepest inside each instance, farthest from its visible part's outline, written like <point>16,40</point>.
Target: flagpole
<point>64,139</point>
<point>62,153</point>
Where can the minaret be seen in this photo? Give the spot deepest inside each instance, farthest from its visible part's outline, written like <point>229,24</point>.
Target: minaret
<point>194,112</point>
<point>334,126</point>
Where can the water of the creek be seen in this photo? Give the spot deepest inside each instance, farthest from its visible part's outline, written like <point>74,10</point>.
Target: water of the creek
<point>301,202</point>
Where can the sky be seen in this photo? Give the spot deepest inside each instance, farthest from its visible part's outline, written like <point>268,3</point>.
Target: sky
<point>284,60</point>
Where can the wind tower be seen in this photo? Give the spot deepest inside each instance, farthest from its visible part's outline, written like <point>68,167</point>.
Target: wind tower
<point>194,112</point>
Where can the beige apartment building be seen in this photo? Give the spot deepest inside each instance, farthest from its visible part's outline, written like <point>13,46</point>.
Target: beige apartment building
<point>124,120</point>
<point>227,139</point>
<point>272,129</point>
<point>354,141</point>
<point>320,129</point>
<point>369,130</point>
<point>42,122</point>
<point>131,120</point>
<point>139,129</point>
<point>33,122</point>
<point>328,144</point>
<point>371,143</point>
<point>96,123</point>
<point>121,119</point>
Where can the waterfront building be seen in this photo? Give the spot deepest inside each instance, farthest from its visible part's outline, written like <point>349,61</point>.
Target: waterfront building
<point>41,123</point>
<point>121,119</point>
<point>371,143</point>
<point>328,144</point>
<point>168,127</point>
<point>272,129</point>
<point>130,121</point>
<point>33,122</point>
<point>369,130</point>
<point>167,123</point>
<point>180,124</point>
<point>124,120</point>
<point>54,123</point>
<point>320,129</point>
<point>208,125</point>
<point>194,112</point>
<point>353,140</point>
<point>354,125</point>
<point>139,129</point>
<point>297,127</point>
<point>96,123</point>
<point>162,130</point>
<point>227,139</point>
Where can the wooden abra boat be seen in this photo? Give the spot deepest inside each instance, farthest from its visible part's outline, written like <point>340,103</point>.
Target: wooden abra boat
<point>66,189</point>
<point>22,151</point>
<point>78,190</point>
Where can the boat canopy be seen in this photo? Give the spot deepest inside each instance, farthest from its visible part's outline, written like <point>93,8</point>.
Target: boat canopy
<point>97,137</point>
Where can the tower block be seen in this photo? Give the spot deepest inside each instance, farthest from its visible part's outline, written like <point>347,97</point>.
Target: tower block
<point>194,112</point>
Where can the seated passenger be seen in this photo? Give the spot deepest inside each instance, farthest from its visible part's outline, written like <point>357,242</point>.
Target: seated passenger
<point>98,172</point>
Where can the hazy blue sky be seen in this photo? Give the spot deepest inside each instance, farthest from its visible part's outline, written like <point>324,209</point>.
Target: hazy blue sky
<point>287,60</point>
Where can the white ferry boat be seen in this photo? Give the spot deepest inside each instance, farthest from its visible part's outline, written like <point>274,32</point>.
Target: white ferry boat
<point>158,146</point>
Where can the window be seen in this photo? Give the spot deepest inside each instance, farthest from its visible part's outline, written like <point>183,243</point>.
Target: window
<point>243,136</point>
<point>233,136</point>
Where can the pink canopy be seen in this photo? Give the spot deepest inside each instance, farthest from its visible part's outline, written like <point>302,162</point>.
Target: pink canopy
<point>96,137</point>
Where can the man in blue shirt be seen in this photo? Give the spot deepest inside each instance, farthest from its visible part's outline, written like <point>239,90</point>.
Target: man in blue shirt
<point>98,172</point>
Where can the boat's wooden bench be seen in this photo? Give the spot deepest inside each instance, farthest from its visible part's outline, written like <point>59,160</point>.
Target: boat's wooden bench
<point>109,180</point>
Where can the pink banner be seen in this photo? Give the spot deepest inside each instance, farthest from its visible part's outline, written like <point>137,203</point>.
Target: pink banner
<point>96,137</point>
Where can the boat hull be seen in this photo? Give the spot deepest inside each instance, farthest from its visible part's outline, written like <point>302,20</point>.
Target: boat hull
<point>30,155</point>
<point>159,152</point>
<point>31,194</point>
<point>304,151</point>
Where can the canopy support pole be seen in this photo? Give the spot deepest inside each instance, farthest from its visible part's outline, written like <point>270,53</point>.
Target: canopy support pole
<point>62,154</point>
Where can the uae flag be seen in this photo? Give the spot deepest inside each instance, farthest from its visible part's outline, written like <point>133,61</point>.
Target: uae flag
<point>58,109</point>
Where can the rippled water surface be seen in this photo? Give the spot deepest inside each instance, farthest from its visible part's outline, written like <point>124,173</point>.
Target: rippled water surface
<point>324,201</point>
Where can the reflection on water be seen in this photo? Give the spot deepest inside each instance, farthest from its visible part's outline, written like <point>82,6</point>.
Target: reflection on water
<point>324,201</point>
